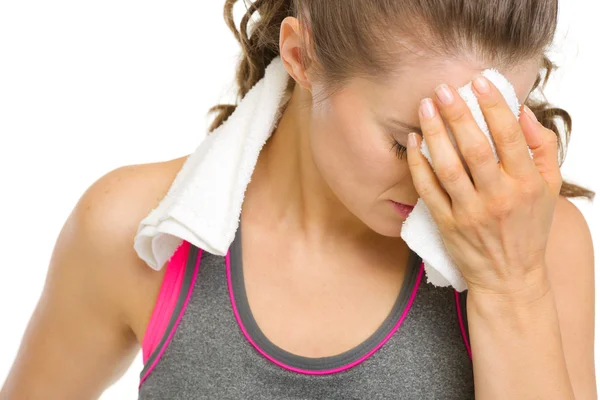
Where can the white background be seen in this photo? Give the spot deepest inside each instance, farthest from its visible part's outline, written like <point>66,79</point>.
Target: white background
<point>86,87</point>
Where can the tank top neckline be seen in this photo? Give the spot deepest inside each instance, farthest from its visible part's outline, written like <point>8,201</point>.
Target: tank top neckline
<point>318,365</point>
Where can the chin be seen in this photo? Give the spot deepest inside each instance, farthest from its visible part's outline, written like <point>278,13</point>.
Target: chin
<point>390,231</point>
<point>383,226</point>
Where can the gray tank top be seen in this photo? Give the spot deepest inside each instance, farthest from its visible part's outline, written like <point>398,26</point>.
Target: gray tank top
<point>217,351</point>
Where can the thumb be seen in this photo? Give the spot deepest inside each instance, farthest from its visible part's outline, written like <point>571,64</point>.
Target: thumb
<point>543,143</point>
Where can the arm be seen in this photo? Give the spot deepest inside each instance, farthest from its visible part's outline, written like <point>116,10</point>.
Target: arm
<point>98,295</point>
<point>77,341</point>
<point>539,344</point>
<point>525,254</point>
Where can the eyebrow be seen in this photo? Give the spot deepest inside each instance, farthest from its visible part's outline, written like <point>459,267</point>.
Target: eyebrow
<point>404,125</point>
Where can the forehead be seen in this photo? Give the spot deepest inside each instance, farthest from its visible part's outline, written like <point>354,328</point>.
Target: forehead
<point>402,92</point>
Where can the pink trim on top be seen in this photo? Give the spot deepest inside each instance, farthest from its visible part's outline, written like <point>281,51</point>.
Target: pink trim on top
<point>323,372</point>
<point>167,298</point>
<point>177,262</point>
<point>462,325</point>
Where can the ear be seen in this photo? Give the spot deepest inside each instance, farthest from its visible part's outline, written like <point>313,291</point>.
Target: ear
<point>290,48</point>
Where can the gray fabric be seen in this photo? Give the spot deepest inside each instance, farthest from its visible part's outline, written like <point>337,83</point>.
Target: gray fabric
<point>210,358</point>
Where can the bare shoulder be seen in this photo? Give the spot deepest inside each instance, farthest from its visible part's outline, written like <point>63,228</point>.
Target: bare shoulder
<point>570,263</point>
<point>570,254</point>
<point>570,241</point>
<point>127,194</point>
<point>108,214</point>
<point>98,295</point>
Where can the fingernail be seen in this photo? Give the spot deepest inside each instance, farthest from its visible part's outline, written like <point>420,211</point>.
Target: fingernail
<point>412,140</point>
<point>481,85</point>
<point>427,108</point>
<point>445,95</point>
<point>530,113</point>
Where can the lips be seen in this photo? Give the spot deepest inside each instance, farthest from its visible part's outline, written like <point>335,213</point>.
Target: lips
<point>402,209</point>
<point>403,205</point>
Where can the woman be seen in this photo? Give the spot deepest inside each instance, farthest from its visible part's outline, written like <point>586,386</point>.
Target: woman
<point>331,303</point>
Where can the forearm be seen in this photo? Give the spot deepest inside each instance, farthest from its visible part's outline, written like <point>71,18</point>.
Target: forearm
<point>516,344</point>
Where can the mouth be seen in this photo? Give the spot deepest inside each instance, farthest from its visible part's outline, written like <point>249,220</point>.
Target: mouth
<point>401,208</point>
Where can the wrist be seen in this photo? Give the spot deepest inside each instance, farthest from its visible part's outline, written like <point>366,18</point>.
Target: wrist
<point>519,298</point>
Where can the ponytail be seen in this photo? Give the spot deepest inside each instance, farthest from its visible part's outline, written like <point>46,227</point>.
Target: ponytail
<point>259,47</point>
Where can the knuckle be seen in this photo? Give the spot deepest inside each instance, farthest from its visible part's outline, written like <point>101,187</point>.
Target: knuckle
<point>552,138</point>
<point>424,189</point>
<point>446,222</point>
<point>478,154</point>
<point>531,190</point>
<point>434,131</point>
<point>500,206</point>
<point>413,162</point>
<point>456,115</point>
<point>472,220</point>
<point>451,173</point>
<point>492,103</point>
<point>510,135</point>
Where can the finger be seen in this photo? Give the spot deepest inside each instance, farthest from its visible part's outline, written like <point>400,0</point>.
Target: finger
<point>543,143</point>
<point>472,143</point>
<point>425,181</point>
<point>504,128</point>
<point>446,163</point>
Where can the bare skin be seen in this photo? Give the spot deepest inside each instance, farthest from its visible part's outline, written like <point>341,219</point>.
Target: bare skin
<point>319,237</point>
<point>98,296</point>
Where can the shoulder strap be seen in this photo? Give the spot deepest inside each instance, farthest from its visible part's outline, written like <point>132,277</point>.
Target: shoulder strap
<point>461,311</point>
<point>185,264</point>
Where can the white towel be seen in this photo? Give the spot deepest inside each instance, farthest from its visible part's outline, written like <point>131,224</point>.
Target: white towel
<point>204,202</point>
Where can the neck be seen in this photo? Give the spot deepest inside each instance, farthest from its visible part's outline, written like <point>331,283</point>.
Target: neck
<point>288,191</point>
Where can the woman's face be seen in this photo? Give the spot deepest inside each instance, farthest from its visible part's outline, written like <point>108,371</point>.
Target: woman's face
<point>353,134</point>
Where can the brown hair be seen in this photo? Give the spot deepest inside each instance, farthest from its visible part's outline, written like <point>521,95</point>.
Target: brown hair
<point>348,38</point>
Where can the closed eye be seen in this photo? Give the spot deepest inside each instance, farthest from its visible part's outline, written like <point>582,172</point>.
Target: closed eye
<point>398,148</point>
